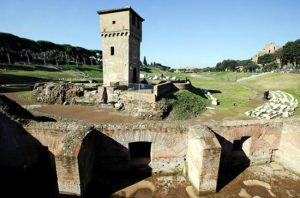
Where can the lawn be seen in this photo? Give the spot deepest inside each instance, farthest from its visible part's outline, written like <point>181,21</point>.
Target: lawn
<point>235,97</point>
<point>239,97</point>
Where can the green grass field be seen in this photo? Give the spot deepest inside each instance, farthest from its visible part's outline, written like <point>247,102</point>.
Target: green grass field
<point>235,97</point>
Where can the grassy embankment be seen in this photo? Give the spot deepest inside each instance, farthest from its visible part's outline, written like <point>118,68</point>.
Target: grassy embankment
<point>237,98</point>
<point>287,82</point>
<point>234,98</point>
<point>19,78</point>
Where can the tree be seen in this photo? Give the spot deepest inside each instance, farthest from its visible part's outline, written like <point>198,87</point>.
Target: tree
<point>267,58</point>
<point>227,65</point>
<point>27,53</point>
<point>19,49</point>
<point>6,52</point>
<point>145,61</point>
<point>291,53</point>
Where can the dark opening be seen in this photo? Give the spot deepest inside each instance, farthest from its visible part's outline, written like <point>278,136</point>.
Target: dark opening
<point>139,153</point>
<point>233,160</point>
<point>105,166</point>
<point>269,51</point>
<point>237,145</point>
<point>113,22</point>
<point>112,51</point>
<point>134,75</point>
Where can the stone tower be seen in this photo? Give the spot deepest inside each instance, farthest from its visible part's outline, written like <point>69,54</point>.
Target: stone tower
<point>121,33</point>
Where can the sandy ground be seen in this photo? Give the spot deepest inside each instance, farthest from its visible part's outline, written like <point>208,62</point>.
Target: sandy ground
<point>269,180</point>
<point>90,114</point>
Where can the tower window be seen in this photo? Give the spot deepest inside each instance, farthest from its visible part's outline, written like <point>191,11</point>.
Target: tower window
<point>112,51</point>
<point>113,22</point>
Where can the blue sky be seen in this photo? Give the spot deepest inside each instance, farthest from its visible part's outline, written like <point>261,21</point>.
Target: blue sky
<point>176,33</point>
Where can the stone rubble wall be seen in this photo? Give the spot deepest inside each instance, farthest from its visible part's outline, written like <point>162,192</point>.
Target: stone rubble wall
<point>141,105</point>
<point>281,105</point>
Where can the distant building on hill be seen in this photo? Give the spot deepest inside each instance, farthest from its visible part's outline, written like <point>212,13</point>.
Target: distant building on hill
<point>268,49</point>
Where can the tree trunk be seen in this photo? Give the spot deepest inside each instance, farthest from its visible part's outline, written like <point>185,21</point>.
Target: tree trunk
<point>67,62</point>
<point>83,60</point>
<point>56,61</point>
<point>92,63</point>
<point>44,58</point>
<point>76,60</point>
<point>8,58</point>
<point>28,60</point>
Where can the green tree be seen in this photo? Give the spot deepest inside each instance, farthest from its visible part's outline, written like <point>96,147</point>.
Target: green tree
<point>227,65</point>
<point>145,61</point>
<point>6,52</point>
<point>267,58</point>
<point>291,53</point>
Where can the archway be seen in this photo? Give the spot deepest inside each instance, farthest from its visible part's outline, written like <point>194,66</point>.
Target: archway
<point>134,76</point>
<point>139,153</point>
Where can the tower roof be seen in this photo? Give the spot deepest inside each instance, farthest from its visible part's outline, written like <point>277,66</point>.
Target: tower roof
<point>119,10</point>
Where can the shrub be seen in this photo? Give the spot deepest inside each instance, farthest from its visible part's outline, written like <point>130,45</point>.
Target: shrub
<point>185,105</point>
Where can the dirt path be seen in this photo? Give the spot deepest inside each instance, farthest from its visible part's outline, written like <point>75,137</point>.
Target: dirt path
<point>90,114</point>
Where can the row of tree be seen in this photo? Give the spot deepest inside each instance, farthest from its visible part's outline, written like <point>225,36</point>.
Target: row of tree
<point>14,49</point>
<point>154,64</point>
<point>236,65</point>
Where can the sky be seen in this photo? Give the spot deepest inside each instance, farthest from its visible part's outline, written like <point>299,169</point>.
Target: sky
<point>176,33</point>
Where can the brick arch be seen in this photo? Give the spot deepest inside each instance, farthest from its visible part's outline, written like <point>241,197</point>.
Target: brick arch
<point>164,144</point>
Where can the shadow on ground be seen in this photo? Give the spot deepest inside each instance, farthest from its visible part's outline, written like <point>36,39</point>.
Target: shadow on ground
<point>27,168</point>
<point>112,169</point>
<point>233,160</point>
<point>16,112</point>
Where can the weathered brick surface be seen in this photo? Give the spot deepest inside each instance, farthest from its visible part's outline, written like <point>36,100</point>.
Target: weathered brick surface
<point>172,144</point>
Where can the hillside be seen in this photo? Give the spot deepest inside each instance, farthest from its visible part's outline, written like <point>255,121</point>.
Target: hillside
<point>17,50</point>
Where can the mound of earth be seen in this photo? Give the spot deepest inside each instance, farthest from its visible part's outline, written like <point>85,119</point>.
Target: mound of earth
<point>14,111</point>
<point>56,93</point>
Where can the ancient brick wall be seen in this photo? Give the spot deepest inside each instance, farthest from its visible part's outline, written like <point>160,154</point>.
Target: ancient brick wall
<point>256,139</point>
<point>175,147</point>
<point>288,153</point>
